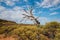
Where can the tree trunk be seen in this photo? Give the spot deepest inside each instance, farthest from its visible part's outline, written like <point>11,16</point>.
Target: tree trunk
<point>37,22</point>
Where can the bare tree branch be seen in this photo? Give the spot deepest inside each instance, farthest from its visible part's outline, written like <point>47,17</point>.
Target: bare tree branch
<point>25,11</point>
<point>31,12</point>
<point>31,16</point>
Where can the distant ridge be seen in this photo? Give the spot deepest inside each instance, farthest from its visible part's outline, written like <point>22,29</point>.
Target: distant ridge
<point>6,22</point>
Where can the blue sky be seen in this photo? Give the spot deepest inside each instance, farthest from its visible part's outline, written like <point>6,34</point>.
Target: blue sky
<point>46,10</point>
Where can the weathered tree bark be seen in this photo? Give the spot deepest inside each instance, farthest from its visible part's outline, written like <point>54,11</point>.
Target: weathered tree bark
<point>31,16</point>
<point>37,22</point>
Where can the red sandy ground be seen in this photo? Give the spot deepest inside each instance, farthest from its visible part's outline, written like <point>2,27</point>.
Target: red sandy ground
<point>11,38</point>
<point>6,38</point>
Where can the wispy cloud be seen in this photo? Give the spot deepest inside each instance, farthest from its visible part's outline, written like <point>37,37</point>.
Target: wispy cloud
<point>11,14</point>
<point>14,14</point>
<point>43,20</point>
<point>2,8</point>
<point>48,3</point>
<point>26,0</point>
<point>54,13</point>
<point>55,8</point>
<point>9,2</point>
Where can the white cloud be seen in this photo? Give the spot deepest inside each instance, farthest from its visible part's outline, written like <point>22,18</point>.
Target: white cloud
<point>43,20</point>
<point>54,13</point>
<point>55,19</point>
<point>58,20</point>
<point>55,8</point>
<point>26,0</point>
<point>2,8</point>
<point>9,2</point>
<point>14,14</point>
<point>10,14</point>
<point>1,0</point>
<point>38,3</point>
<point>48,3</point>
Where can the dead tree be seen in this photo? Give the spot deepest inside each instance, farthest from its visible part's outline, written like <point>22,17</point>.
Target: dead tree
<point>30,16</point>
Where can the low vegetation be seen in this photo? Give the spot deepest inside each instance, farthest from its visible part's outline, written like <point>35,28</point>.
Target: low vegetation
<point>49,31</point>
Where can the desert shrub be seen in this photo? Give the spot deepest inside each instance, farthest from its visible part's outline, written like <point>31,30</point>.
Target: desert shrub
<point>44,32</point>
<point>29,33</point>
